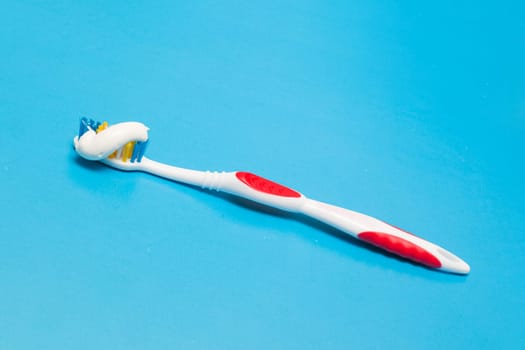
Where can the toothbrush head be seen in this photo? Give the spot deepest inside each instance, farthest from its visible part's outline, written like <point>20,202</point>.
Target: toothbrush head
<point>118,143</point>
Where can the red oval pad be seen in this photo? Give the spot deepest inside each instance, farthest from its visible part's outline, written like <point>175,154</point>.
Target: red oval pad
<point>401,247</point>
<point>264,185</point>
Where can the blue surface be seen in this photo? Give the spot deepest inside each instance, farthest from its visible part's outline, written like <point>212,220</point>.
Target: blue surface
<point>414,113</point>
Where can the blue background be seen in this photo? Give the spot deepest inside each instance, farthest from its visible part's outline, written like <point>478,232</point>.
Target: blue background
<point>411,112</point>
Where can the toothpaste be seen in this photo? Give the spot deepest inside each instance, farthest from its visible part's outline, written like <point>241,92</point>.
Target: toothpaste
<point>93,146</point>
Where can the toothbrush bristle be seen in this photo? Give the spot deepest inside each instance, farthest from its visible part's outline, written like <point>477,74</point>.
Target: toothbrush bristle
<point>141,148</point>
<point>132,151</point>
<point>101,127</point>
<point>127,151</point>
<point>86,124</point>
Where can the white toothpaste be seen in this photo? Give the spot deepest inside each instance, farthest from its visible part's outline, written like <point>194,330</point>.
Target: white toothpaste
<point>95,146</point>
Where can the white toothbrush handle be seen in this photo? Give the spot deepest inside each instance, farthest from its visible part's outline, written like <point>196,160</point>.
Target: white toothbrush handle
<point>360,226</point>
<point>385,236</point>
<point>363,227</point>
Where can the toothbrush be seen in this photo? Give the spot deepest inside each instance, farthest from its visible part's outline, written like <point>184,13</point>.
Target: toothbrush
<point>122,146</point>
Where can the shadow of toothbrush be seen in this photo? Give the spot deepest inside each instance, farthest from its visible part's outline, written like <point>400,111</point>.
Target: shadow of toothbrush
<point>305,220</point>
<point>258,207</point>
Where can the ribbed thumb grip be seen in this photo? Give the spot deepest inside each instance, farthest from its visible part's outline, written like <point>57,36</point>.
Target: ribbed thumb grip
<point>400,246</point>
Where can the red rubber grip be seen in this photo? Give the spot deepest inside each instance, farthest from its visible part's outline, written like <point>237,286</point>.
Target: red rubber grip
<point>264,185</point>
<point>400,247</point>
